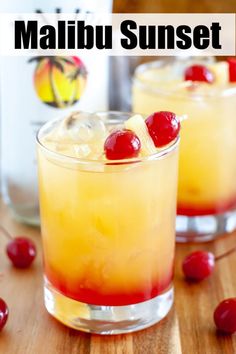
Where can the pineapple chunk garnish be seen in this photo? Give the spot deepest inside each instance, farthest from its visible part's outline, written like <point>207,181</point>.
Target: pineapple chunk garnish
<point>220,71</point>
<point>137,124</point>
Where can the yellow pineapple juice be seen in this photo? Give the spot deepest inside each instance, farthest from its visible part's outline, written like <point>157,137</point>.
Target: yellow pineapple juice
<point>207,166</point>
<point>108,228</point>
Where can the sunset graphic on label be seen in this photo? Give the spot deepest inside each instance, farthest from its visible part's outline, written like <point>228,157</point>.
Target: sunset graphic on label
<point>59,81</point>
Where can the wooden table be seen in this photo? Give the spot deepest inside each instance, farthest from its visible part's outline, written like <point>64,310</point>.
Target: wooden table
<point>189,328</point>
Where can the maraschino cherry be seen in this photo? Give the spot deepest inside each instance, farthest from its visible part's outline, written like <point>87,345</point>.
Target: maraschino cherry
<point>225,316</point>
<point>199,73</point>
<point>199,265</point>
<point>232,69</point>
<point>20,250</point>
<point>163,127</point>
<point>122,144</point>
<point>3,313</point>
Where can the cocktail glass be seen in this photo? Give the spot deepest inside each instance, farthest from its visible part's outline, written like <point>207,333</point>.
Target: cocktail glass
<point>207,166</point>
<point>108,231</point>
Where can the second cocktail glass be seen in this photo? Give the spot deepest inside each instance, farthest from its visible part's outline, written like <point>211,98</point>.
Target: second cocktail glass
<point>207,167</point>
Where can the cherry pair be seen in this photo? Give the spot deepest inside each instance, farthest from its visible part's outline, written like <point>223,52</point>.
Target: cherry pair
<point>163,127</point>
<point>21,251</point>
<point>200,265</point>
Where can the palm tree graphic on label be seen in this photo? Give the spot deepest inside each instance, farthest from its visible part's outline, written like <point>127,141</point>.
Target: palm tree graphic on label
<point>59,81</point>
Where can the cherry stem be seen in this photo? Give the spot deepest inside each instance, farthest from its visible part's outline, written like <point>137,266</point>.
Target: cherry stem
<point>5,232</point>
<point>232,250</point>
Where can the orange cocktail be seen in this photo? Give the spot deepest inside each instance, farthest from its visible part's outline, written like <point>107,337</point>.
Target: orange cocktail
<point>107,227</point>
<point>207,166</point>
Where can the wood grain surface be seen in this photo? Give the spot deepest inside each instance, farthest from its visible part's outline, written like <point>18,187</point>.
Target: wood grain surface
<point>188,329</point>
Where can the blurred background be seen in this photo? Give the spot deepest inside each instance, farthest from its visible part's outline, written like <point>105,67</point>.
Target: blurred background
<point>174,6</point>
<point>123,67</point>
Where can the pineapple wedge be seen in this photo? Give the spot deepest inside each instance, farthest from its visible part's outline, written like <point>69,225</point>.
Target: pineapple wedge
<point>137,124</point>
<point>220,71</point>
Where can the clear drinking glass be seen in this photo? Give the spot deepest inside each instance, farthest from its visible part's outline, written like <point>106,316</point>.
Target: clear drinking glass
<point>108,233</point>
<point>207,167</point>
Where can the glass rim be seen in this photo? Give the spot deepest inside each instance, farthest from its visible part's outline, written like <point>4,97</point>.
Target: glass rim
<point>224,92</point>
<point>76,160</point>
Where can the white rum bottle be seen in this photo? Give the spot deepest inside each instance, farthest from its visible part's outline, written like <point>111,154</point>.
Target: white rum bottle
<point>34,90</point>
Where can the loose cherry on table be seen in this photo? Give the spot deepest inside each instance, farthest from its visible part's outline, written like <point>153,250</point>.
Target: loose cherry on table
<point>20,250</point>
<point>225,316</point>
<point>199,265</point>
<point>163,127</point>
<point>199,73</point>
<point>122,144</point>
<point>3,313</point>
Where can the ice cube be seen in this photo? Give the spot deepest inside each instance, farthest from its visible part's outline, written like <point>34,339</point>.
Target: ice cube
<point>84,127</point>
<point>82,150</point>
<point>97,150</point>
<point>80,135</point>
